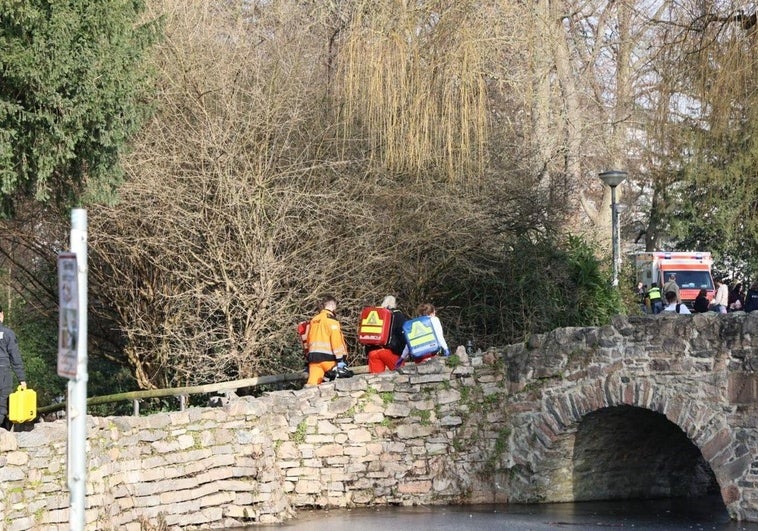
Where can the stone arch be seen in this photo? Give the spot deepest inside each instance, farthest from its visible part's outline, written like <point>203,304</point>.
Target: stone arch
<point>628,452</point>
<point>542,456</point>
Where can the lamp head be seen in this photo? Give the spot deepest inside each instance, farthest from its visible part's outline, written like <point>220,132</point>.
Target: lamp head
<point>613,178</point>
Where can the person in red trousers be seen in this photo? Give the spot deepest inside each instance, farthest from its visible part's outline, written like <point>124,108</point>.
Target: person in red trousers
<point>386,357</point>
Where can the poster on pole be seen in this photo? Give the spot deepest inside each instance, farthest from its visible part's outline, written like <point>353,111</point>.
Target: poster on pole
<point>68,319</point>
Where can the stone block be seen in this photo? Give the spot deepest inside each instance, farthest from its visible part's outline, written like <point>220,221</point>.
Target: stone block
<point>413,431</point>
<point>356,468</point>
<point>316,440</point>
<point>356,451</point>
<point>239,510</point>
<point>374,405</point>
<point>326,427</point>
<point>359,435</point>
<point>369,418</point>
<point>308,487</point>
<point>340,405</point>
<point>8,442</point>
<point>429,378</point>
<point>16,458</point>
<point>451,420</point>
<point>362,497</point>
<point>217,499</point>
<point>415,487</point>
<point>742,388</point>
<point>398,410</point>
<point>448,396</point>
<point>330,450</point>
<point>11,473</point>
<point>350,384</point>
<point>288,450</point>
<point>437,449</point>
<point>716,444</point>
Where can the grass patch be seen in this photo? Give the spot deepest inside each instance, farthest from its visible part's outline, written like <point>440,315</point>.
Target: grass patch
<point>300,432</point>
<point>453,361</point>
<point>424,415</point>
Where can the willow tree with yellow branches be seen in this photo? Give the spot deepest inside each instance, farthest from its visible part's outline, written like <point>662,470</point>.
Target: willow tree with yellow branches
<point>713,203</point>
<point>412,77</point>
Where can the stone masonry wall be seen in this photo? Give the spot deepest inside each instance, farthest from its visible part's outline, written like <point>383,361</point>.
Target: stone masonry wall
<point>492,428</point>
<point>371,439</point>
<point>698,371</point>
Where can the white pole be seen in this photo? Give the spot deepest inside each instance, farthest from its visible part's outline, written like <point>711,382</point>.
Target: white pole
<point>77,387</point>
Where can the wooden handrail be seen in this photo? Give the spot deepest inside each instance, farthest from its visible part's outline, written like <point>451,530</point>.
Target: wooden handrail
<point>232,385</point>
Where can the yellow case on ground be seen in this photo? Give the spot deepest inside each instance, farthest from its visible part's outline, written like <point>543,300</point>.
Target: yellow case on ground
<point>22,405</point>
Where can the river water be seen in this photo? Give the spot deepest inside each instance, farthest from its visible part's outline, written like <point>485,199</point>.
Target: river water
<point>669,514</point>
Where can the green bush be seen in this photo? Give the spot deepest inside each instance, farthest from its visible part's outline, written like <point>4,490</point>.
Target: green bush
<point>538,285</point>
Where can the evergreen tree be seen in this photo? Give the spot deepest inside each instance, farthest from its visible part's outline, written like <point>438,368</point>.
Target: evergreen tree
<point>72,83</point>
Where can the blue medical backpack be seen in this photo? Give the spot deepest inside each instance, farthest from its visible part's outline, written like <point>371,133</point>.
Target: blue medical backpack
<point>420,337</point>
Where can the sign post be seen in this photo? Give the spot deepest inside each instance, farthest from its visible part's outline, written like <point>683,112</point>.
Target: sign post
<point>72,360</point>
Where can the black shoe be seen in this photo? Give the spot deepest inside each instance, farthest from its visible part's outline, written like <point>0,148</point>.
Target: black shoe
<point>337,372</point>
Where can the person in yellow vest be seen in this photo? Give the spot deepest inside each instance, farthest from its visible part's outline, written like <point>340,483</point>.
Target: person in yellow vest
<point>654,295</point>
<point>10,360</point>
<point>326,344</point>
<point>429,309</point>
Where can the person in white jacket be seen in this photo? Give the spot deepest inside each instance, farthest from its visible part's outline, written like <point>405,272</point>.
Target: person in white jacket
<point>427,309</point>
<point>673,306</point>
<point>721,298</point>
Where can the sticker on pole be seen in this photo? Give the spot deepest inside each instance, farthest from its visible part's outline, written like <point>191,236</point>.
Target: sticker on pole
<point>68,319</point>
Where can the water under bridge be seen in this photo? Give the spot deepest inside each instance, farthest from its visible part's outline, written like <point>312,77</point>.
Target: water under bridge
<point>646,407</point>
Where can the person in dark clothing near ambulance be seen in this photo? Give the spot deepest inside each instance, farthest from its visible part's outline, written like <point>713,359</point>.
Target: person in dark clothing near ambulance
<point>10,362</point>
<point>326,344</point>
<point>672,285</point>
<point>701,302</point>
<point>386,357</point>
<point>751,299</point>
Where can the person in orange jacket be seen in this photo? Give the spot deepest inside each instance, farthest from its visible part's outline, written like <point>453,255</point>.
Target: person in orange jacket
<point>326,344</point>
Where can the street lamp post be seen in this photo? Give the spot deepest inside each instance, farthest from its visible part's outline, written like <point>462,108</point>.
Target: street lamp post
<point>613,178</point>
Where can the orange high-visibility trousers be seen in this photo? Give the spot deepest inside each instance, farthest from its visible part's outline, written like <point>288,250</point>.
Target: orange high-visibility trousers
<point>317,370</point>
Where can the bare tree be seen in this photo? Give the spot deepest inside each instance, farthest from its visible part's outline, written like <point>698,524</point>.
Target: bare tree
<point>239,211</point>
<point>360,148</point>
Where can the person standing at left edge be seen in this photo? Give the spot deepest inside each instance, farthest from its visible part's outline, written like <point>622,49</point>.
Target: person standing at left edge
<point>10,359</point>
<point>326,344</point>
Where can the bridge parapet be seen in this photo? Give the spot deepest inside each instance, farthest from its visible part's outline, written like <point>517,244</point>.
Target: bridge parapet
<point>637,408</point>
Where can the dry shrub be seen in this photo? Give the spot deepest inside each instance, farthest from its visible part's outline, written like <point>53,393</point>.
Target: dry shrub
<point>238,215</point>
<point>245,204</point>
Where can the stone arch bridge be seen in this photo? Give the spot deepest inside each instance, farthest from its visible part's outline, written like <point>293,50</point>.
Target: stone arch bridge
<point>645,407</point>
